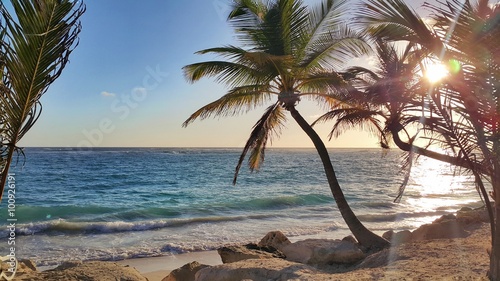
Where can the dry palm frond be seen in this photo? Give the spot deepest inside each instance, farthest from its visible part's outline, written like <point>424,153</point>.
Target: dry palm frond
<point>269,124</point>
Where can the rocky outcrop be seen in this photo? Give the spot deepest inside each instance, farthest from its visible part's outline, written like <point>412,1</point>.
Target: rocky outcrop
<point>323,252</point>
<point>76,271</point>
<point>24,268</point>
<point>443,228</point>
<point>468,215</point>
<point>275,239</point>
<point>267,269</point>
<point>397,238</point>
<point>186,272</point>
<point>446,227</point>
<point>236,253</point>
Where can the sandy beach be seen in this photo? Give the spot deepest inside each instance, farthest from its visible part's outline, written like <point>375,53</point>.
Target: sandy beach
<point>437,259</point>
<point>155,269</point>
<point>423,257</point>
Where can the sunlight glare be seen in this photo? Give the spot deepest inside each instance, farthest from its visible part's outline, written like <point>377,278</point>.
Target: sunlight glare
<point>435,72</point>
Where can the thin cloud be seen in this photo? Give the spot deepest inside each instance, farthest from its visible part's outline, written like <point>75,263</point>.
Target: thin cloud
<point>108,94</point>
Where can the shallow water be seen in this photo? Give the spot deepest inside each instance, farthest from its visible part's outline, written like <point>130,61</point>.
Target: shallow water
<point>116,203</point>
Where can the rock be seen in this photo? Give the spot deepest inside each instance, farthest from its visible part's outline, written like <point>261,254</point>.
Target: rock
<point>256,270</point>
<point>351,239</point>
<point>323,252</point>
<point>95,270</point>
<point>441,230</point>
<point>26,265</point>
<point>388,235</point>
<point>274,239</point>
<point>236,253</point>
<point>444,218</point>
<point>185,273</point>
<point>377,259</point>
<point>397,238</point>
<point>468,215</point>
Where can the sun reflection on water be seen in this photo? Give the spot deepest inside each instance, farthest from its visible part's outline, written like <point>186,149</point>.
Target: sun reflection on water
<point>436,186</point>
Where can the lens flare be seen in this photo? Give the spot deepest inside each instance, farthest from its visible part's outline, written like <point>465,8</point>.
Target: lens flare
<point>435,72</point>
<point>453,66</point>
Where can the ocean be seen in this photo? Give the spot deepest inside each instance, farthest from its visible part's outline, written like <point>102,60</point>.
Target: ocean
<point>119,203</point>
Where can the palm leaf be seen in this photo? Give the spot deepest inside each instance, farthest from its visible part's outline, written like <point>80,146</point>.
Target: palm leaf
<point>236,101</point>
<point>394,20</point>
<point>269,124</point>
<point>35,51</point>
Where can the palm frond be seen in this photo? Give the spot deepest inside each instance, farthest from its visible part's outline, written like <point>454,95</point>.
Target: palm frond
<point>333,48</point>
<point>348,118</point>
<point>231,73</point>
<point>236,101</point>
<point>269,124</point>
<point>36,48</point>
<point>394,20</point>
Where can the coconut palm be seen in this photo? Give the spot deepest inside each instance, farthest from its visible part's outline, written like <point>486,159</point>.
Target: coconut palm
<point>388,100</point>
<point>288,53</point>
<point>35,47</point>
<point>465,107</point>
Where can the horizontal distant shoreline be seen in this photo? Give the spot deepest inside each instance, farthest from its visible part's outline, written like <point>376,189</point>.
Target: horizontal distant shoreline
<point>188,147</point>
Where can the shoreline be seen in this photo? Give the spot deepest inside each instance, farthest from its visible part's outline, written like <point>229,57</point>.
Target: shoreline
<point>157,268</point>
<point>435,259</point>
<point>428,259</point>
<point>451,248</point>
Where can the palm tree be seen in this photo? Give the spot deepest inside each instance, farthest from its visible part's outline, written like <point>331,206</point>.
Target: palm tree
<point>462,112</point>
<point>388,100</point>
<point>289,53</point>
<point>34,50</point>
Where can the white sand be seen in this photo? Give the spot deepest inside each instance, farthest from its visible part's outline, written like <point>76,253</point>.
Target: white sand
<point>157,268</point>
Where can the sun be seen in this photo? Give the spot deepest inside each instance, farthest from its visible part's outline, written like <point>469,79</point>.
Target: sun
<point>436,71</point>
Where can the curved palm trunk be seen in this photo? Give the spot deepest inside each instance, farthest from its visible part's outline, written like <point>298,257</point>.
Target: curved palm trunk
<point>431,154</point>
<point>364,236</point>
<point>494,272</point>
<point>453,161</point>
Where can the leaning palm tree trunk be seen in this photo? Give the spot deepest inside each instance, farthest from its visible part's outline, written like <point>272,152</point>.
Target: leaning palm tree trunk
<point>34,50</point>
<point>364,236</point>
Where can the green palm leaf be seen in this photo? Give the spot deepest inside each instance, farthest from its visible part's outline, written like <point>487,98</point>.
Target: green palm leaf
<point>238,100</point>
<point>35,51</point>
<point>268,125</point>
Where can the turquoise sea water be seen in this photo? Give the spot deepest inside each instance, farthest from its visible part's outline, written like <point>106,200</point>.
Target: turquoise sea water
<point>117,203</point>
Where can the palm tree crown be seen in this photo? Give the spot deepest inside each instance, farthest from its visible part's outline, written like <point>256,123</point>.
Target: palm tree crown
<point>289,52</point>
<point>34,50</point>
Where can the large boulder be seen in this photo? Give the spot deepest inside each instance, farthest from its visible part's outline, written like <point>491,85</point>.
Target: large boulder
<point>442,229</point>
<point>275,239</point>
<point>185,273</point>
<point>24,268</point>
<point>397,238</point>
<point>94,270</point>
<point>469,215</point>
<point>261,269</point>
<point>323,252</point>
<point>236,253</point>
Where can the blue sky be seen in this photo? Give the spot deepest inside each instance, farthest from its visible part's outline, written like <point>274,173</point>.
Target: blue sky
<point>124,84</point>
